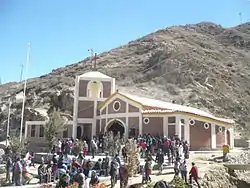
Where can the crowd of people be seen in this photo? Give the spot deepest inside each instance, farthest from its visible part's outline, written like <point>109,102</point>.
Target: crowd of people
<point>65,170</point>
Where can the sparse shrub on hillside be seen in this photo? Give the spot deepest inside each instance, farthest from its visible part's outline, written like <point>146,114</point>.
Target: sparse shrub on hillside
<point>184,56</point>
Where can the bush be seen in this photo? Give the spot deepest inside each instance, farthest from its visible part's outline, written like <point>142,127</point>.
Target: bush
<point>17,147</point>
<point>178,182</point>
<point>78,147</point>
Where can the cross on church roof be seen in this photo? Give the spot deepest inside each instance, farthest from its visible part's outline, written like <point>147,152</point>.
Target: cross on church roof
<point>95,58</point>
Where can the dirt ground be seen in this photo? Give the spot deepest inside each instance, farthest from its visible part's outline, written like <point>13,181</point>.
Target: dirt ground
<point>201,160</point>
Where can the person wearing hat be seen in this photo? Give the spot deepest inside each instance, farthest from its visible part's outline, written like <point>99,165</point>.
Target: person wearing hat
<point>193,174</point>
<point>123,175</point>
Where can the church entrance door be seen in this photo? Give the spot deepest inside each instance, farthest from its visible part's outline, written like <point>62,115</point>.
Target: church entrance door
<point>116,127</point>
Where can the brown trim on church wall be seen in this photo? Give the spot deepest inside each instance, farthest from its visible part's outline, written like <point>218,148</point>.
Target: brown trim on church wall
<point>171,131</point>
<point>122,107</point>
<point>97,109</point>
<point>154,127</point>
<point>132,108</point>
<point>200,138</point>
<point>85,109</point>
<point>103,125</point>
<point>103,111</point>
<point>220,136</point>
<point>83,88</point>
<point>97,127</point>
<point>133,123</point>
<point>106,89</point>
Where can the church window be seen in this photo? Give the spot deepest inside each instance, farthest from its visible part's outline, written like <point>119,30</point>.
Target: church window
<point>33,131</point>
<point>146,120</point>
<point>191,121</point>
<point>95,89</point>
<point>41,133</point>
<point>206,125</point>
<point>116,106</point>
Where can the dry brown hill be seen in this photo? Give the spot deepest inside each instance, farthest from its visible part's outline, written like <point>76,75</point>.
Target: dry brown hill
<point>202,65</point>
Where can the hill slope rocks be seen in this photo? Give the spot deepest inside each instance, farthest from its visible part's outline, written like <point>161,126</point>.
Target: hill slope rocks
<point>201,65</point>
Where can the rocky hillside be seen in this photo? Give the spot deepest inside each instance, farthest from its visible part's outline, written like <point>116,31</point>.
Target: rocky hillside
<point>202,65</point>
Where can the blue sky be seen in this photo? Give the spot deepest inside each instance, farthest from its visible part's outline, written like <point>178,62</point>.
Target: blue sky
<point>62,31</point>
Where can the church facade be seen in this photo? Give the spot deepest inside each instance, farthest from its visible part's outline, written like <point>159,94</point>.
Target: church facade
<point>99,107</point>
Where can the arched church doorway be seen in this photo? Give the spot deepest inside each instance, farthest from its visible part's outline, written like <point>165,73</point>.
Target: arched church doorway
<point>79,132</point>
<point>116,127</point>
<point>228,137</point>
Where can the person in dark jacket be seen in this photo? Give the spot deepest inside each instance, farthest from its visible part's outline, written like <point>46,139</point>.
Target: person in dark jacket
<point>124,154</point>
<point>113,172</point>
<point>63,182</point>
<point>94,180</point>
<point>123,174</point>
<point>98,165</point>
<point>160,160</point>
<point>8,168</point>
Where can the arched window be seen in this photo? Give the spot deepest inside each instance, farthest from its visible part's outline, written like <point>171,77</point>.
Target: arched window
<point>95,89</point>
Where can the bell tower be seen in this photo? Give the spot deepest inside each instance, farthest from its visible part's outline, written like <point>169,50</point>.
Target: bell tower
<point>91,89</point>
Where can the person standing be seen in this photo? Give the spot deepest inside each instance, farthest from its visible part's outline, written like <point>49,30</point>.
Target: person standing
<point>93,148</point>
<point>148,169</point>
<point>160,160</point>
<point>124,153</point>
<point>183,169</point>
<point>176,168</point>
<point>8,168</point>
<point>194,174</point>
<point>85,148</point>
<point>106,165</point>
<point>114,172</point>
<point>123,174</point>
<point>17,171</point>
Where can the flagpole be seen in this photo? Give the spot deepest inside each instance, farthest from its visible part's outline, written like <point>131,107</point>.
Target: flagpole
<point>8,124</point>
<point>24,90</point>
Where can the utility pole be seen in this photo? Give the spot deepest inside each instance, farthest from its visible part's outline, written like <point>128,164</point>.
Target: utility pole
<point>8,124</point>
<point>24,90</point>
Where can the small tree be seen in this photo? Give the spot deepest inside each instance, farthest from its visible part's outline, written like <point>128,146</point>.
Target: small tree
<point>133,157</point>
<point>55,125</point>
<point>78,148</point>
<point>16,146</point>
